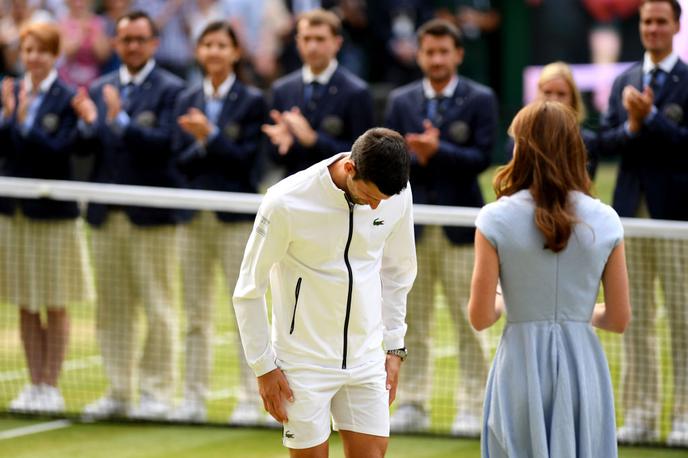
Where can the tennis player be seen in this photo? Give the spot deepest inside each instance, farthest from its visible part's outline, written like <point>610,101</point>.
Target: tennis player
<point>335,242</point>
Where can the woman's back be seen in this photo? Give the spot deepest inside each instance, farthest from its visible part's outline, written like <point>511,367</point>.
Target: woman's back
<point>537,283</point>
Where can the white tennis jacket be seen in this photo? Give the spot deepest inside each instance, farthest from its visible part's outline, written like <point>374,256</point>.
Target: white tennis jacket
<point>339,275</point>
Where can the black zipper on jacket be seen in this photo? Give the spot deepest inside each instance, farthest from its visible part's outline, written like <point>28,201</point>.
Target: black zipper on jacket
<point>351,281</point>
<point>296,302</point>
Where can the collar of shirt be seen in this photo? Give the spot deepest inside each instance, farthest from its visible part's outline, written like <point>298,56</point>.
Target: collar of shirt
<point>667,64</point>
<point>222,90</point>
<point>323,78</point>
<point>125,77</point>
<point>448,90</point>
<point>44,85</point>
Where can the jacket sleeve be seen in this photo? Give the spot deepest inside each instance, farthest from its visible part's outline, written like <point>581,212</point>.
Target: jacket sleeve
<point>267,244</point>
<point>477,156</point>
<point>397,274</point>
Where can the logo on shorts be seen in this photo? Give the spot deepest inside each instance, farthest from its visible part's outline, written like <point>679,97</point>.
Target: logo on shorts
<point>378,222</point>
<point>288,434</point>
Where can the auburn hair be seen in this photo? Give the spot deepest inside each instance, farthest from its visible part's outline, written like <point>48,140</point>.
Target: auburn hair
<point>47,34</point>
<point>549,160</point>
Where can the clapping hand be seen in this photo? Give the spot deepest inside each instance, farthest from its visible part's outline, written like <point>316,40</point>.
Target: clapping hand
<point>279,133</point>
<point>9,102</point>
<point>84,106</point>
<point>195,123</point>
<point>425,144</point>
<point>113,101</point>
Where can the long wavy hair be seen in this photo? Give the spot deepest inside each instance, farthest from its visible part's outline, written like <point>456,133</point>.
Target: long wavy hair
<point>549,160</point>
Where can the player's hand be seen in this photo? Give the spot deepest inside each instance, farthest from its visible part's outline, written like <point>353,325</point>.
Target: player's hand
<point>300,127</point>
<point>113,102</point>
<point>392,367</point>
<point>425,144</point>
<point>195,123</point>
<point>9,101</point>
<point>84,106</point>
<point>278,133</point>
<point>274,389</point>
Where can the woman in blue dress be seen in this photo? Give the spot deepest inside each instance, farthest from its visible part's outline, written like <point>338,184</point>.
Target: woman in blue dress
<point>549,244</point>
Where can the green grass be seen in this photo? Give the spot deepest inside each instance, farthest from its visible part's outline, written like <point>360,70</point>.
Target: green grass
<point>153,441</point>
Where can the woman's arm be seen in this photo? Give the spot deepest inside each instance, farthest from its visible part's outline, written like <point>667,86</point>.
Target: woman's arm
<point>615,313</point>
<point>482,306</point>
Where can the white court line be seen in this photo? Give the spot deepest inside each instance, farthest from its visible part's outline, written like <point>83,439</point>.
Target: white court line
<point>34,429</point>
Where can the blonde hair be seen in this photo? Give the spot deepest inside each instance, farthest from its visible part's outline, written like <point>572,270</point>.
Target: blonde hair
<point>562,70</point>
<point>549,160</point>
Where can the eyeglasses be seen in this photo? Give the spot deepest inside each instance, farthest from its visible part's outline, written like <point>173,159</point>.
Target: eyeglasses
<point>126,41</point>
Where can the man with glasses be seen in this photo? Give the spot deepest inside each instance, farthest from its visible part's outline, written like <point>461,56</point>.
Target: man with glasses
<point>126,121</point>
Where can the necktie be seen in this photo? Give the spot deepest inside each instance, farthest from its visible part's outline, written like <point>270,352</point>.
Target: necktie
<point>435,107</point>
<point>656,82</point>
<point>127,95</point>
<point>312,93</point>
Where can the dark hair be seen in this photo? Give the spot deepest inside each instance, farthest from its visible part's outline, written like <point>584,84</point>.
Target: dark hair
<point>381,158</point>
<point>322,17</point>
<point>549,160</point>
<point>226,28</point>
<point>135,15</point>
<point>675,5</point>
<point>219,26</point>
<point>440,28</point>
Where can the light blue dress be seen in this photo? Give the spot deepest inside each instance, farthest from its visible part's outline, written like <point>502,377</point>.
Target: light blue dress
<point>549,391</point>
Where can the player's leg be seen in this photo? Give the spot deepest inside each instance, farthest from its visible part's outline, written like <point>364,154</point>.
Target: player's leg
<point>319,451</point>
<point>308,429</point>
<point>360,411</point>
<point>359,445</point>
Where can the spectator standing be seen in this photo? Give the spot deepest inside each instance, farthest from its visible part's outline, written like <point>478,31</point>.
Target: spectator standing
<point>217,143</point>
<point>322,108</point>
<point>449,123</point>
<point>126,120</point>
<point>647,113</point>
<point>46,254</point>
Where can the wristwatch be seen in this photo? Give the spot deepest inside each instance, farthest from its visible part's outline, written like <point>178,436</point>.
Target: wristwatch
<point>402,353</point>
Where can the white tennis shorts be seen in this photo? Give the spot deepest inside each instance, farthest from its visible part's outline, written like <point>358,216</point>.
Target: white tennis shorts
<point>355,398</point>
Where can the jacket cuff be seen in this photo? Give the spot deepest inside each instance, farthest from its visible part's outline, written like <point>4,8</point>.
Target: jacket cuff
<point>265,363</point>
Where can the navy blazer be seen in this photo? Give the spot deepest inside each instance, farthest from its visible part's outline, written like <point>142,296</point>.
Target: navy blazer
<point>653,163</point>
<point>343,113</point>
<point>229,161</point>
<point>468,127</point>
<point>43,152</point>
<point>142,153</point>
